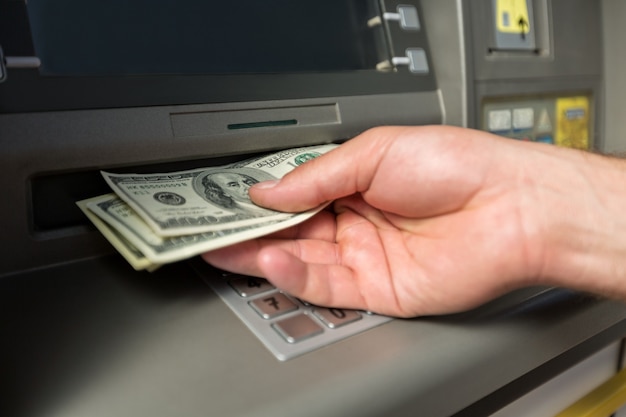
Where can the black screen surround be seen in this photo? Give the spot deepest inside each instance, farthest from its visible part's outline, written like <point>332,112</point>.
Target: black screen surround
<point>118,54</point>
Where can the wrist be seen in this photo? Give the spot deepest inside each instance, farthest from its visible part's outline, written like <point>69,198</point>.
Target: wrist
<point>581,204</point>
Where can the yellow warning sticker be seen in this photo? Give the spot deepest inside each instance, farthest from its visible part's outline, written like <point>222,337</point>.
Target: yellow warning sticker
<point>512,16</point>
<point>572,122</point>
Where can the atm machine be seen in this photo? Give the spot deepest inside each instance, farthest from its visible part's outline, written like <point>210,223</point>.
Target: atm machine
<point>158,86</point>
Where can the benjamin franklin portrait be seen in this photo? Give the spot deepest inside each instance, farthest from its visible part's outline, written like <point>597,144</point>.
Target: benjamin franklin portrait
<point>228,188</point>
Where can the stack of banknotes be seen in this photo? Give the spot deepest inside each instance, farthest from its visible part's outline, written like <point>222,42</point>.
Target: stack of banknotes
<point>154,219</point>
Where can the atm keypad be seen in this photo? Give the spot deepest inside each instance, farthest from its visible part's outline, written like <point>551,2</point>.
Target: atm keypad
<point>287,326</point>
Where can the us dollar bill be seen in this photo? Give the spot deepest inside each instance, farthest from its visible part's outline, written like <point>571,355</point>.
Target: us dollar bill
<point>129,251</point>
<point>136,241</point>
<point>207,199</point>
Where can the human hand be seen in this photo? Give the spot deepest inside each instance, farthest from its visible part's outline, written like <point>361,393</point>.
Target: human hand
<point>425,220</point>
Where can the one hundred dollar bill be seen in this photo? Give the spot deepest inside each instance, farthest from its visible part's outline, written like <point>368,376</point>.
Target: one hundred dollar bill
<point>139,241</point>
<point>208,199</point>
<point>133,255</point>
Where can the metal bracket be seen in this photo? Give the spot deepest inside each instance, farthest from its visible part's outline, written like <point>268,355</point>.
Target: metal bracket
<point>406,21</point>
<point>16,62</point>
<point>406,15</point>
<point>415,60</point>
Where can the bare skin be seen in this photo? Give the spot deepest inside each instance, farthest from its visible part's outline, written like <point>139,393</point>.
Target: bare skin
<point>433,220</point>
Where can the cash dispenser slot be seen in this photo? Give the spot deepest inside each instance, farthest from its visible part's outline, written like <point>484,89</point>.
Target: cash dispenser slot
<point>53,196</point>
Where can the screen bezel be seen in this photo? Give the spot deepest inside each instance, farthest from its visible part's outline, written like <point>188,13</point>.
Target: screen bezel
<point>25,90</point>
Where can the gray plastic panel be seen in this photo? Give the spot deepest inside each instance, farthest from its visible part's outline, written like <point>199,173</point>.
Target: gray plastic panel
<point>96,338</point>
<point>570,39</point>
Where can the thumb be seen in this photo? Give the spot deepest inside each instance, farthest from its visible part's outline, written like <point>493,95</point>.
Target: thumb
<point>343,171</point>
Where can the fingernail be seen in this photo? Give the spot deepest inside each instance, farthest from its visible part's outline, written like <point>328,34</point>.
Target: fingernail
<point>266,185</point>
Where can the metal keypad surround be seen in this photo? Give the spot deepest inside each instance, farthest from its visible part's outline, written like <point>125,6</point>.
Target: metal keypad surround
<point>287,326</point>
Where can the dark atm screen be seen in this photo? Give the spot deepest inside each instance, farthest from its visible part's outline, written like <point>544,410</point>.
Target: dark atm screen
<point>121,37</point>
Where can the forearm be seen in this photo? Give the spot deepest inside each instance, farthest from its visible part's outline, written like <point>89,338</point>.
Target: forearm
<point>583,215</point>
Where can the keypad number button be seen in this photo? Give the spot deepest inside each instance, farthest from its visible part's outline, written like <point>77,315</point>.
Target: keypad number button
<point>250,286</point>
<point>297,328</point>
<point>336,317</point>
<point>273,305</point>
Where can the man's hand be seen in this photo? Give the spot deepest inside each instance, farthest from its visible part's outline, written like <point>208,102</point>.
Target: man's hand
<point>425,220</point>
